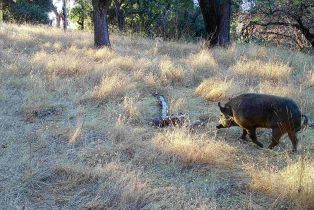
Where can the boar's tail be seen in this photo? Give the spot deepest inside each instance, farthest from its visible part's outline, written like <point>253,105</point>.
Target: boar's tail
<point>305,122</point>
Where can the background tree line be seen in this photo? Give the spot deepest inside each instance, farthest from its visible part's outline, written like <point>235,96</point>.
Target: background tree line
<point>174,19</point>
<point>285,22</point>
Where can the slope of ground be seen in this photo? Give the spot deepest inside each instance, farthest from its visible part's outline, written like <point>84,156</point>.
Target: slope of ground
<point>75,127</point>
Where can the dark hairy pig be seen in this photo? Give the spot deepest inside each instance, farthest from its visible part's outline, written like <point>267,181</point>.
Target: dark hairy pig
<point>250,111</point>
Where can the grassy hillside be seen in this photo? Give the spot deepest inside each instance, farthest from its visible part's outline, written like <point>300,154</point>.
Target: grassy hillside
<point>75,127</point>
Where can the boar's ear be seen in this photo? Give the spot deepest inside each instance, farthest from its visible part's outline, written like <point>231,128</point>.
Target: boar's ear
<point>222,109</point>
<point>228,110</point>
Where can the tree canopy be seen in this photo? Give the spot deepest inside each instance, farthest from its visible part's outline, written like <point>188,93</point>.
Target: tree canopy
<point>285,22</point>
<point>20,11</point>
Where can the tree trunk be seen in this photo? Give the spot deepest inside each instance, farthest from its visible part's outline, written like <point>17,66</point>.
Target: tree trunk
<point>224,24</point>
<point>101,31</point>
<point>216,16</point>
<point>58,16</point>
<point>119,15</point>
<point>208,9</point>
<point>58,21</point>
<point>65,18</point>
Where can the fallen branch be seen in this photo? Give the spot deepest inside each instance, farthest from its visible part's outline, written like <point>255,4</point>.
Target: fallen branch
<point>164,107</point>
<point>165,119</point>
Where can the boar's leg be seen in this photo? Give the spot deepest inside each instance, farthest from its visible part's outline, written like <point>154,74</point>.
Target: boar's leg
<point>276,134</point>
<point>252,134</point>
<point>244,134</point>
<point>294,140</point>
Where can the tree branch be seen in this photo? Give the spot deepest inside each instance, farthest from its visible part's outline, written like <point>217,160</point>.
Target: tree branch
<point>275,24</point>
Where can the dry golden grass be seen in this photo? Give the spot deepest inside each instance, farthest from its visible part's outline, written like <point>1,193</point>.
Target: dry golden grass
<point>104,154</point>
<point>288,90</point>
<point>311,78</point>
<point>280,89</point>
<point>127,189</point>
<point>151,82</point>
<point>202,65</point>
<point>130,189</point>
<point>225,57</point>
<point>178,105</point>
<point>202,60</point>
<point>169,72</point>
<point>131,108</point>
<point>129,64</point>
<point>100,55</point>
<point>193,149</point>
<point>265,70</point>
<point>216,89</point>
<point>115,86</point>
<point>253,52</point>
<point>294,183</point>
<point>173,49</point>
<point>62,64</point>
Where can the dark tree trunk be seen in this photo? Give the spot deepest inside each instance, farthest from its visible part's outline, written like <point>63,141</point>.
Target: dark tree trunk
<point>210,17</point>
<point>58,21</point>
<point>119,15</point>
<point>101,31</point>
<point>216,16</point>
<point>224,23</point>
<point>65,17</point>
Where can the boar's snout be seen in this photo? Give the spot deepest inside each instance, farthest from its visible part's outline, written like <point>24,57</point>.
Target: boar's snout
<point>219,126</point>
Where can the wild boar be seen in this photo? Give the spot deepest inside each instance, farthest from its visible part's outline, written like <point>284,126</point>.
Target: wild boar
<point>250,111</point>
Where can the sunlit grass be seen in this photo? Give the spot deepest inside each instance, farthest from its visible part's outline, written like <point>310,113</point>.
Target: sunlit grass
<point>279,89</point>
<point>311,79</point>
<point>80,119</point>
<point>169,72</point>
<point>202,65</point>
<point>260,69</point>
<point>62,64</point>
<point>114,86</point>
<point>294,182</point>
<point>193,149</point>
<point>215,89</point>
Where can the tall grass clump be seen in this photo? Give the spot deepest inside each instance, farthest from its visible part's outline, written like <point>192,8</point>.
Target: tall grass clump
<point>62,64</point>
<point>280,89</point>
<point>265,70</point>
<point>100,55</point>
<point>180,145</point>
<point>311,78</point>
<point>223,56</point>
<point>294,183</point>
<point>202,65</point>
<point>128,64</point>
<point>131,109</point>
<point>170,73</point>
<point>252,51</point>
<point>215,89</point>
<point>113,86</point>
